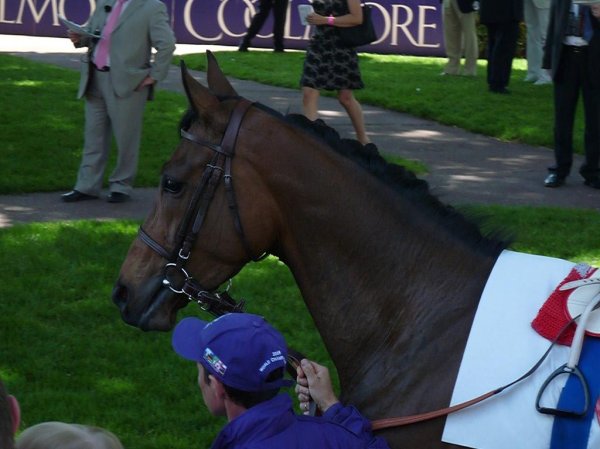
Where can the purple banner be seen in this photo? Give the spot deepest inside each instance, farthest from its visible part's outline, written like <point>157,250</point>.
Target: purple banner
<point>410,27</point>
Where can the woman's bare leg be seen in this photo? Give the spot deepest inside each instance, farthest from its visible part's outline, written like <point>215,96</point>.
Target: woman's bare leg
<point>310,103</point>
<point>354,110</point>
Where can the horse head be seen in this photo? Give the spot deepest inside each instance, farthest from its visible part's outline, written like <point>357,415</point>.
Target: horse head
<point>211,214</point>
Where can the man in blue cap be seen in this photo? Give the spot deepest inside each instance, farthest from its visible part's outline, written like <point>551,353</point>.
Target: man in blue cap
<point>241,361</point>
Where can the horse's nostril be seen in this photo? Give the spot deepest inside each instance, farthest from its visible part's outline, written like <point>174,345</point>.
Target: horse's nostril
<point>119,294</point>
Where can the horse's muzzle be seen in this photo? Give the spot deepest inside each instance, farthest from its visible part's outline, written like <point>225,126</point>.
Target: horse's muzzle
<point>150,309</point>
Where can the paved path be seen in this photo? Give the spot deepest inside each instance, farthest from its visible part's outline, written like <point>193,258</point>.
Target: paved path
<point>465,168</point>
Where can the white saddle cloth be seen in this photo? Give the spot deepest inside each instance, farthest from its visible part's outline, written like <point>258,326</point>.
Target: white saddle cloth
<point>502,346</point>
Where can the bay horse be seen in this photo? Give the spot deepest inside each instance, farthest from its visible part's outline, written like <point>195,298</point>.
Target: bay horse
<point>391,276</point>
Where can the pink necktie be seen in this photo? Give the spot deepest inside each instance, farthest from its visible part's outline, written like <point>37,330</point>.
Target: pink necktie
<point>103,49</point>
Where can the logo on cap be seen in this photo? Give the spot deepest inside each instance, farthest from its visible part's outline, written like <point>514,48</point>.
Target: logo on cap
<point>214,361</point>
<point>276,356</point>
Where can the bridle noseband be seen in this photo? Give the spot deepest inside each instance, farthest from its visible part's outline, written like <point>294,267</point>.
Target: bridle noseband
<point>196,212</point>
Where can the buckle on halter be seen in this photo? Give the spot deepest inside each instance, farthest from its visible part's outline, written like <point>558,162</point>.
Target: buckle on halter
<point>168,283</point>
<point>182,257</point>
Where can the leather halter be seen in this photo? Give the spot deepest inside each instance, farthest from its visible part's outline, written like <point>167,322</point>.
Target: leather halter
<point>196,212</point>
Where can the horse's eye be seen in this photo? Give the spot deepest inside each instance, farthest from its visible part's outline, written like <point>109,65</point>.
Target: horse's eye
<point>171,185</point>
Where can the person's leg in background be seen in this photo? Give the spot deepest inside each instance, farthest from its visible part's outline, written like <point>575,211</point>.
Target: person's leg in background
<point>502,51</point>
<point>468,24</point>
<point>566,94</point>
<point>452,36</point>
<point>310,103</point>
<point>354,110</point>
<point>591,106</point>
<point>258,20</point>
<point>127,116</point>
<point>492,42</point>
<point>279,15</point>
<point>533,45</point>
<point>97,137</point>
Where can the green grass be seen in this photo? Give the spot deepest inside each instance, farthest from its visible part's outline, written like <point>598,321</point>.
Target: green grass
<point>67,355</point>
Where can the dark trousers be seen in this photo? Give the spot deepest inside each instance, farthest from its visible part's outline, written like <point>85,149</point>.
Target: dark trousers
<point>573,77</point>
<point>501,48</point>
<point>279,8</point>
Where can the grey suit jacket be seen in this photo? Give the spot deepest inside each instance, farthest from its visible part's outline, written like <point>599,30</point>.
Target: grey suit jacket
<point>143,25</point>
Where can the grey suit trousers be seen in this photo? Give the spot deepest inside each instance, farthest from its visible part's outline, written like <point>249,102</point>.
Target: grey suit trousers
<point>105,115</point>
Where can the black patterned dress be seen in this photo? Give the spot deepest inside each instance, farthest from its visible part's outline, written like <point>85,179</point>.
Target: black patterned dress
<point>329,65</point>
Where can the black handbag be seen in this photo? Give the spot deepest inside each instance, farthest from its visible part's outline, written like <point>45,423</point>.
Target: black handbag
<point>358,35</point>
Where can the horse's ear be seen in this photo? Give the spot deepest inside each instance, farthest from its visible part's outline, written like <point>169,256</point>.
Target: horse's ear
<point>200,97</point>
<point>217,82</point>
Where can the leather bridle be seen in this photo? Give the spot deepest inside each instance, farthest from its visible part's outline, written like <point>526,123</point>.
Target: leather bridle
<point>196,212</point>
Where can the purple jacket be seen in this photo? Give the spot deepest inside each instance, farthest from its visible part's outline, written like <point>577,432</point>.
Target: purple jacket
<point>274,425</point>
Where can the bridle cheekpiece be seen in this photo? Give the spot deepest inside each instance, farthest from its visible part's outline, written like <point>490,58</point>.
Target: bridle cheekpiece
<point>196,212</point>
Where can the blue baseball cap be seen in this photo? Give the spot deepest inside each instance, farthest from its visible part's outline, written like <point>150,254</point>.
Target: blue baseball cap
<point>239,349</point>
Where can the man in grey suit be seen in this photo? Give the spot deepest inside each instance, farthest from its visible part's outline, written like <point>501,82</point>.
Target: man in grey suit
<point>537,15</point>
<point>118,76</point>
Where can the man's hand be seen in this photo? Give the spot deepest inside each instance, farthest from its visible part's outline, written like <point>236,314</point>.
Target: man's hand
<point>148,81</point>
<point>314,382</point>
<point>75,37</point>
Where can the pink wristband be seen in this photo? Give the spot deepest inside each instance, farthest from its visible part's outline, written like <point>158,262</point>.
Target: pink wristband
<point>330,20</point>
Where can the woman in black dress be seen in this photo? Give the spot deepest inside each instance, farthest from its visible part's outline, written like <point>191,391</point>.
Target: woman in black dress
<point>329,64</point>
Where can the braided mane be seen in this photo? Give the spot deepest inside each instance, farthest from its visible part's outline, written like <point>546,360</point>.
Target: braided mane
<point>406,183</point>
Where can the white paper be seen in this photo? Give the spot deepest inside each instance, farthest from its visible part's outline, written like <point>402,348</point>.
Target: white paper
<point>77,28</point>
<point>305,10</point>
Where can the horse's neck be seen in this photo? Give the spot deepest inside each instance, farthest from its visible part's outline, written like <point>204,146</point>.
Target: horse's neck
<point>392,314</point>
<point>390,291</point>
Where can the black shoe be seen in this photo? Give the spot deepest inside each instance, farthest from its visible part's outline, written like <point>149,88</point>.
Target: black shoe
<point>243,47</point>
<point>117,197</point>
<point>499,90</point>
<point>553,180</point>
<point>279,50</point>
<point>76,195</point>
<point>594,183</point>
